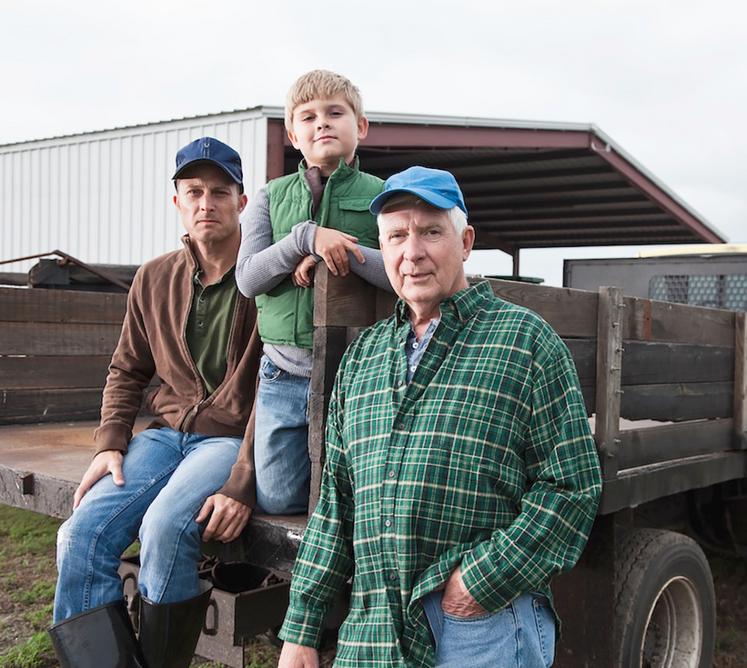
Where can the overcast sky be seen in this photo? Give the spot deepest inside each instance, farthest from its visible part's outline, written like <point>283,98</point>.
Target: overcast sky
<point>666,80</point>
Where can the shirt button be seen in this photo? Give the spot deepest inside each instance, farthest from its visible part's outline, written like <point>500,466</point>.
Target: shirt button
<point>392,474</point>
<point>415,345</point>
<point>388,523</point>
<point>199,323</point>
<point>400,425</point>
<point>413,368</point>
<point>401,383</point>
<point>392,576</point>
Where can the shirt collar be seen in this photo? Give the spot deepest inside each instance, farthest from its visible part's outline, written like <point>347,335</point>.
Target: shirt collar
<point>343,171</point>
<point>461,305</point>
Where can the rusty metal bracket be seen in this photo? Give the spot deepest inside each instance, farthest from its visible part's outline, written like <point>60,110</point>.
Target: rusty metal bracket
<point>69,259</point>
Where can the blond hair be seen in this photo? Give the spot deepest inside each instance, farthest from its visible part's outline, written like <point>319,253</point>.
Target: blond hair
<point>321,84</point>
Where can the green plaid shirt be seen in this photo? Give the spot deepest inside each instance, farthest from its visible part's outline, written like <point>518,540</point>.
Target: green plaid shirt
<point>485,459</point>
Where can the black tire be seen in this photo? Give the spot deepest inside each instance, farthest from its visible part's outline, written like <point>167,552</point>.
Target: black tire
<point>665,606</point>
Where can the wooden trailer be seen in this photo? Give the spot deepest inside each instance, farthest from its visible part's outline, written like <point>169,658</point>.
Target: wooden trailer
<point>664,385</point>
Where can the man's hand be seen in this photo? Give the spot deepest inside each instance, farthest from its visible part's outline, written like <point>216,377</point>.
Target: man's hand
<point>298,656</point>
<point>333,247</point>
<point>228,517</point>
<point>108,461</point>
<point>457,601</point>
<point>301,275</point>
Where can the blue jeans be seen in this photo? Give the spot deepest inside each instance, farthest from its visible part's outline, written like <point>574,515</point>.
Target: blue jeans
<point>281,451</point>
<point>168,475</point>
<point>522,635</point>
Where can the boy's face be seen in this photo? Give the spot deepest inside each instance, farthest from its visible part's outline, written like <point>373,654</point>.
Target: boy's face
<point>325,131</point>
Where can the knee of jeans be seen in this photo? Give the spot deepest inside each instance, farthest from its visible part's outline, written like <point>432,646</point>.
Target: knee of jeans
<point>158,529</point>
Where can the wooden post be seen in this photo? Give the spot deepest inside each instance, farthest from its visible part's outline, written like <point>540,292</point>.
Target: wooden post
<point>608,377</point>
<point>515,264</point>
<point>740,381</point>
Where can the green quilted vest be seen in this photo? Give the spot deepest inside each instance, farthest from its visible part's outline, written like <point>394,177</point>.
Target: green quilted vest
<point>286,313</point>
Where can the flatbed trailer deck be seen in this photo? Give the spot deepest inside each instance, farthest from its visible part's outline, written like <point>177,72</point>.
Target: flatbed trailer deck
<point>665,385</point>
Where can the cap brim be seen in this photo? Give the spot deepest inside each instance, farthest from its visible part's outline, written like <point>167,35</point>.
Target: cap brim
<point>434,199</point>
<point>197,161</point>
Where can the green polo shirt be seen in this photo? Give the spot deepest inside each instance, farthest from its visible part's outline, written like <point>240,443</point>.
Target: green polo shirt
<point>209,327</point>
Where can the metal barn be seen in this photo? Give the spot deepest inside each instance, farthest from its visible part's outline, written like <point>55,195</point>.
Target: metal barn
<point>105,196</point>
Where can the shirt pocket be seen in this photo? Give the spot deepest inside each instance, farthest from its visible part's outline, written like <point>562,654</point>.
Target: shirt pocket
<point>356,219</point>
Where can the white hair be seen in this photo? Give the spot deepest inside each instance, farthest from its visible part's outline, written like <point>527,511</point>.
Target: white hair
<point>457,217</point>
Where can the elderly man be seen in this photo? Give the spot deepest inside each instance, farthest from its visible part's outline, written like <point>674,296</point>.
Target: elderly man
<point>179,481</point>
<point>461,474</point>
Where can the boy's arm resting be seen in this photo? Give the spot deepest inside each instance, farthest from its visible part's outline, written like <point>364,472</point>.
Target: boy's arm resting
<point>559,506</point>
<point>261,264</point>
<point>325,558</point>
<point>130,371</point>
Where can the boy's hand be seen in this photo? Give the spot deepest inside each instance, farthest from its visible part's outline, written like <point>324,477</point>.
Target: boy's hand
<point>302,275</point>
<point>333,246</point>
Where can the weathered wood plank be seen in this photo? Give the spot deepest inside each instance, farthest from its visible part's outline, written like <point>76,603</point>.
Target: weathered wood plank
<point>740,381</point>
<point>609,367</point>
<point>653,445</point>
<point>640,485</point>
<point>53,372</point>
<point>676,363</point>
<point>28,338</point>
<point>31,406</point>
<point>572,313</point>
<point>677,401</point>
<point>650,320</point>
<point>61,306</point>
<point>347,301</point>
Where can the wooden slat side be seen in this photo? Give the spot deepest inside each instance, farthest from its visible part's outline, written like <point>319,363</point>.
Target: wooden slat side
<point>740,381</point>
<point>31,406</point>
<point>649,320</point>
<point>346,301</point>
<point>61,306</point>
<point>608,367</point>
<point>653,445</point>
<point>677,401</point>
<point>28,338</point>
<point>645,362</point>
<point>572,313</point>
<point>68,371</point>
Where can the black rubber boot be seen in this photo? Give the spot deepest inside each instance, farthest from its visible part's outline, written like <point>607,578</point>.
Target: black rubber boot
<point>169,631</point>
<point>99,638</point>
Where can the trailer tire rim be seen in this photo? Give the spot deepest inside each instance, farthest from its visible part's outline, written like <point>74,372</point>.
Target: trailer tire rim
<point>673,635</point>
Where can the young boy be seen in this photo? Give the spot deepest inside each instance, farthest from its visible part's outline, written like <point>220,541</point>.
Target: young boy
<point>319,212</point>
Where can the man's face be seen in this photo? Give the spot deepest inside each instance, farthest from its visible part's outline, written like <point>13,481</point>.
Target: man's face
<point>209,204</point>
<point>325,130</point>
<point>423,254</point>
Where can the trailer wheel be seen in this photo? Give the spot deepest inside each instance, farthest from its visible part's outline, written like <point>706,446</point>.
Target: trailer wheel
<point>665,604</point>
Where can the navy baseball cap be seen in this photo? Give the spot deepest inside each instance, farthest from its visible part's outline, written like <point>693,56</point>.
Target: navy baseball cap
<point>434,186</point>
<point>209,149</point>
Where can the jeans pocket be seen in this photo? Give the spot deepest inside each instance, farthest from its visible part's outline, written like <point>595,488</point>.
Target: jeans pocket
<point>268,370</point>
<point>545,622</point>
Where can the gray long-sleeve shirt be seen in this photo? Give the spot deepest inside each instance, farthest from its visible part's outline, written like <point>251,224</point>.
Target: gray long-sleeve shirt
<point>262,265</point>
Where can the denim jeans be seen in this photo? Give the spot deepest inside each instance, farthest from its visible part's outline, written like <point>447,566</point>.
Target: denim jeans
<point>281,452</point>
<point>522,635</point>
<point>168,475</point>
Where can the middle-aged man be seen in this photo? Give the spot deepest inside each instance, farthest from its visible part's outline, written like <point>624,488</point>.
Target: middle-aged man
<point>178,481</point>
<point>460,475</point>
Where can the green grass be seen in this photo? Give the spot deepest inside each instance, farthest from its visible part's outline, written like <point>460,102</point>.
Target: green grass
<point>26,534</point>
<point>36,651</point>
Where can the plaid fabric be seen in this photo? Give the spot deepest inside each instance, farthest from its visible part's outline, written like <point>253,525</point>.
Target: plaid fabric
<point>485,459</point>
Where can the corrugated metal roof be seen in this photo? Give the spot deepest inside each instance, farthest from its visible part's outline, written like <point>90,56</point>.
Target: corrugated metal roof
<point>527,184</point>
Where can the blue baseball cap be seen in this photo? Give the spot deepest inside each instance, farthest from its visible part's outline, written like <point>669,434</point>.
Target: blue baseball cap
<point>434,186</point>
<point>209,149</point>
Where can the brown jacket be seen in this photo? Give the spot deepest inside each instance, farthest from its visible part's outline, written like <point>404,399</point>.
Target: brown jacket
<point>153,342</point>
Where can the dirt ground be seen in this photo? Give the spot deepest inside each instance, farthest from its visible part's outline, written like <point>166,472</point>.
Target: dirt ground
<point>28,574</point>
